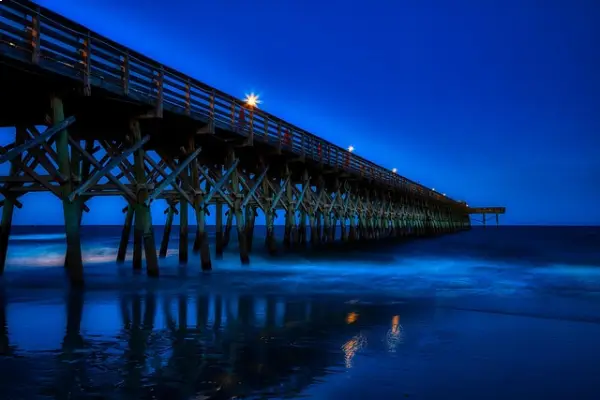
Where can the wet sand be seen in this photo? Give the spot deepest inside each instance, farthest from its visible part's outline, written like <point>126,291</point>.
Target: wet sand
<point>448,317</point>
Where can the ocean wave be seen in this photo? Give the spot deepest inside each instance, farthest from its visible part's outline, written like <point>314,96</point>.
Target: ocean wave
<point>55,256</point>
<point>38,237</point>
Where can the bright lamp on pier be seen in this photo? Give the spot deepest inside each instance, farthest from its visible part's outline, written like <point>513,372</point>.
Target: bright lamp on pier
<point>252,100</point>
<point>350,148</point>
<point>394,170</point>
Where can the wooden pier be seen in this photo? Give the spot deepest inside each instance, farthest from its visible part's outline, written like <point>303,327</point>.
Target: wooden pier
<point>121,124</point>
<point>485,212</point>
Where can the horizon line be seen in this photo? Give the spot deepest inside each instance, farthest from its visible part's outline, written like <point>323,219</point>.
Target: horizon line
<point>491,225</point>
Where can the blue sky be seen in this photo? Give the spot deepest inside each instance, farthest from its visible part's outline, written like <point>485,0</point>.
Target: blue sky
<point>493,102</point>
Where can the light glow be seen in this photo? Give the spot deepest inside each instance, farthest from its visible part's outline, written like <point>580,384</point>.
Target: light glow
<point>252,100</point>
<point>350,148</point>
<point>351,318</point>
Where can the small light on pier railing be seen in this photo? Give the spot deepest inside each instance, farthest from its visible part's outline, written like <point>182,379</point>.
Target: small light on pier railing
<point>443,194</point>
<point>252,100</point>
<point>350,148</point>
<point>394,170</point>
<point>433,189</point>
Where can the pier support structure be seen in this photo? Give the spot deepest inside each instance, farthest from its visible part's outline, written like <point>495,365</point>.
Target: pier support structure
<point>120,124</point>
<point>135,169</point>
<point>486,213</point>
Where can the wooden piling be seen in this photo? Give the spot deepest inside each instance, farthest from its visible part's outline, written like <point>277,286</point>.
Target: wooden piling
<point>289,213</point>
<point>138,245</point>
<point>270,241</point>
<point>312,207</point>
<point>228,225</point>
<point>326,226</point>
<point>74,260</point>
<point>196,244</point>
<point>142,211</point>
<point>302,228</point>
<point>125,233</point>
<point>5,347</point>
<point>314,229</point>
<point>164,243</point>
<point>343,236</point>
<point>219,229</point>
<point>250,220</point>
<point>5,227</point>
<point>9,204</point>
<point>239,213</point>
<point>319,227</point>
<point>75,161</point>
<point>199,207</point>
<point>183,230</point>
<point>333,227</point>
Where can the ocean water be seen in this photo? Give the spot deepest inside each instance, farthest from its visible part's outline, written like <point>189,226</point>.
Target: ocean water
<point>500,313</point>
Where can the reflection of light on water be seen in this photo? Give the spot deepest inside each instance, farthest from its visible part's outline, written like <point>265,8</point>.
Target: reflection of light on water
<point>351,318</point>
<point>395,334</point>
<point>352,346</point>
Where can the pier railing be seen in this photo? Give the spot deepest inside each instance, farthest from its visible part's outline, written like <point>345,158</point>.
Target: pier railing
<point>36,35</point>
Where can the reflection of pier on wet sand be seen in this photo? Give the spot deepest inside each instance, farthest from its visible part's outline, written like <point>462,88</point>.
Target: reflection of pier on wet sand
<point>180,347</point>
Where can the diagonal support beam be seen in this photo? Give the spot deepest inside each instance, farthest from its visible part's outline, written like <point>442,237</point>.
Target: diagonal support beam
<point>161,172</point>
<point>16,202</point>
<point>252,191</point>
<point>169,179</point>
<point>126,167</point>
<point>107,168</point>
<point>317,203</point>
<point>184,180</point>
<point>42,156</point>
<point>15,151</point>
<point>279,194</point>
<point>97,165</point>
<point>42,180</point>
<point>300,201</point>
<point>244,179</point>
<point>334,200</point>
<point>218,185</point>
